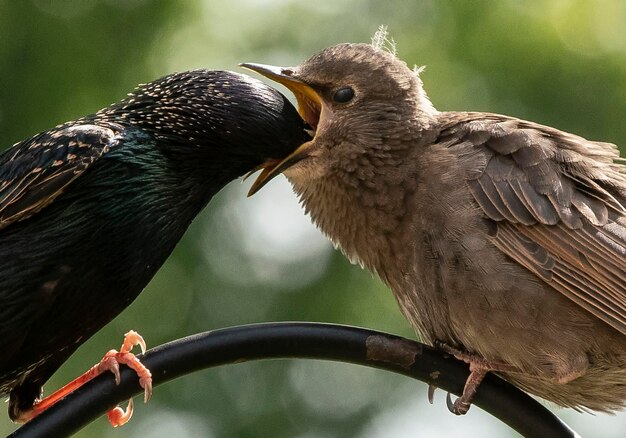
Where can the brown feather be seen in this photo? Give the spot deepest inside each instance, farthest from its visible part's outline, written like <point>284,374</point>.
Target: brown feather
<point>560,192</point>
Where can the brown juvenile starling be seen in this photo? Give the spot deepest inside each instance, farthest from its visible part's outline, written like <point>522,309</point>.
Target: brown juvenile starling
<point>504,241</point>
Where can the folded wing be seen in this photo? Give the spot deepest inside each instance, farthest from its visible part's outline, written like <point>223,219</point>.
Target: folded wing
<point>559,205</point>
<point>33,173</point>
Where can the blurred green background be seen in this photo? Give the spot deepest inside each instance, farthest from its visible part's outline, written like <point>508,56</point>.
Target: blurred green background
<point>561,63</point>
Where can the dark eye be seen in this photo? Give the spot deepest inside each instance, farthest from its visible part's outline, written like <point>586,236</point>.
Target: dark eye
<point>343,95</point>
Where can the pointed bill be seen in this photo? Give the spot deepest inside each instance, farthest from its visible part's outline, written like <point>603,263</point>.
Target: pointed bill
<point>309,108</point>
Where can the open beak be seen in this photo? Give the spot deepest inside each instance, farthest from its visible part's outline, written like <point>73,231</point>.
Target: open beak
<point>309,108</point>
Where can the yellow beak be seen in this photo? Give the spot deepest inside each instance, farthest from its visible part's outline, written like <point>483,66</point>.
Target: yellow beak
<point>309,108</point>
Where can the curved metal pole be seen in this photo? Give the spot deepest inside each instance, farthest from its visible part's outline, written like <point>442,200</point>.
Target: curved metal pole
<point>297,340</point>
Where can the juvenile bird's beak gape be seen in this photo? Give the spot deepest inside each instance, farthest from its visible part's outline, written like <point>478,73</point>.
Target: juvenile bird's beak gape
<point>310,108</point>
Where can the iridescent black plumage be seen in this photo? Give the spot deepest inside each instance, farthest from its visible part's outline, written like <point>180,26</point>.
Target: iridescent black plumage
<point>91,209</point>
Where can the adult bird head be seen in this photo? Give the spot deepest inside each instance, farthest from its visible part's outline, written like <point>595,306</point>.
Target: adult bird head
<point>213,121</point>
<point>350,95</point>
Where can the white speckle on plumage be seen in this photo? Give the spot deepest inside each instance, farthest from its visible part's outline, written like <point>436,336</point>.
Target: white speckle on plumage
<point>146,139</point>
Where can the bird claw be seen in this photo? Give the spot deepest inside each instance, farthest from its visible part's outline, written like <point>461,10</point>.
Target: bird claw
<point>479,367</point>
<point>110,362</point>
<point>118,416</point>
<point>131,339</point>
<point>459,406</point>
<point>127,358</point>
<point>431,393</point>
<point>146,384</point>
<point>450,404</point>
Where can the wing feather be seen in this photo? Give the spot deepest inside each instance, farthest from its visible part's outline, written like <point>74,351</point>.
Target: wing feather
<point>34,172</point>
<point>559,204</point>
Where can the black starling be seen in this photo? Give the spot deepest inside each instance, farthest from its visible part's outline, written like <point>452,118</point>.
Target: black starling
<point>91,209</point>
<point>502,239</point>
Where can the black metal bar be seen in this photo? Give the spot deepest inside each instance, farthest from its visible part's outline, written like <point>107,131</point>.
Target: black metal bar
<point>297,340</point>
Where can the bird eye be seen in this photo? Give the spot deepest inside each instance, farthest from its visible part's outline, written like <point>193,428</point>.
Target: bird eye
<point>343,95</point>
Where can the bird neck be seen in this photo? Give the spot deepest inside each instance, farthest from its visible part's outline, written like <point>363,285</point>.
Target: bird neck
<point>203,157</point>
<point>365,212</point>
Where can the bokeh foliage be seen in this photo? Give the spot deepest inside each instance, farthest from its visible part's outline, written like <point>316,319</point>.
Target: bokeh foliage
<point>562,63</point>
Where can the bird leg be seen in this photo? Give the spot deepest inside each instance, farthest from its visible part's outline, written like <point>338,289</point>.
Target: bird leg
<point>462,404</point>
<point>479,367</point>
<point>110,362</point>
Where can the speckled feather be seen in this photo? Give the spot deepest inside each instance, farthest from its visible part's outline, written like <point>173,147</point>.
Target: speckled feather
<point>91,209</point>
<point>36,172</point>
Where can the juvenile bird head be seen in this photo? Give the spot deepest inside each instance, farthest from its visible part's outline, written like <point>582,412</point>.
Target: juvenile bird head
<point>214,118</point>
<point>352,96</point>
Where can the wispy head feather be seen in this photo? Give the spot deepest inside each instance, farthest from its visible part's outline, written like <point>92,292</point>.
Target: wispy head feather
<point>382,41</point>
<point>418,69</point>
